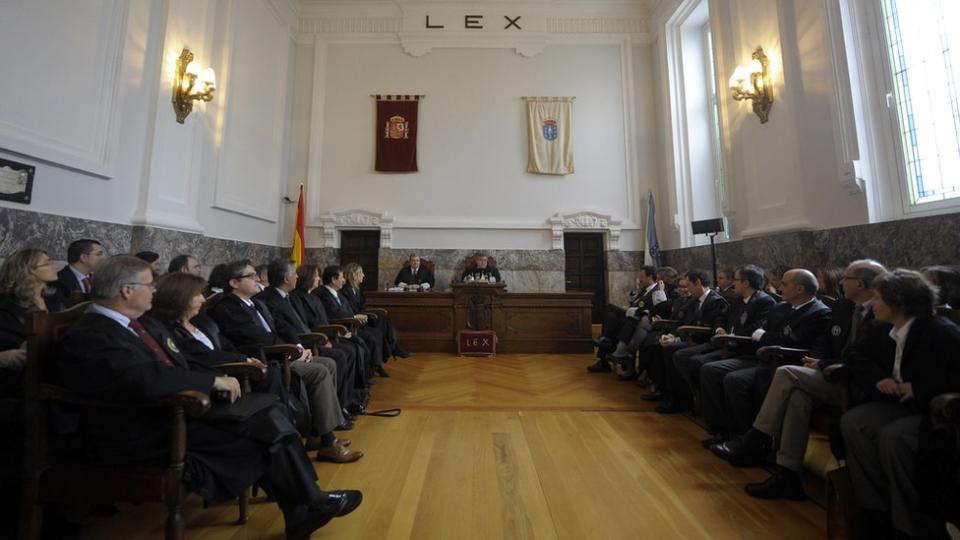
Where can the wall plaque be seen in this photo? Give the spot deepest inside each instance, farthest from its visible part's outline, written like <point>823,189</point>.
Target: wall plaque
<point>16,181</point>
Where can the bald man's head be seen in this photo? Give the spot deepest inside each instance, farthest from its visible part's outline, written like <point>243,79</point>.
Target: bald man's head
<point>799,285</point>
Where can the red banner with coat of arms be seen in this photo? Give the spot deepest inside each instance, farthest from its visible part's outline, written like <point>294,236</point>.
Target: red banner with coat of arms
<point>396,133</point>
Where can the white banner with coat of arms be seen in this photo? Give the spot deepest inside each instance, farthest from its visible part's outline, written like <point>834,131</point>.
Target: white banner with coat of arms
<point>549,121</point>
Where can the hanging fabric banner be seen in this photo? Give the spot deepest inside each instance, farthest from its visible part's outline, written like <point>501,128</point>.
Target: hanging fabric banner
<point>549,122</point>
<point>396,133</point>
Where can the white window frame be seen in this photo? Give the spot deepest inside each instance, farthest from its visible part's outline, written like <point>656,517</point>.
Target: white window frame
<point>882,164</point>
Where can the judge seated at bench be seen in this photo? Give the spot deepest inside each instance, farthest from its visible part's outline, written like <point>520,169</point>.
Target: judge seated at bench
<point>415,276</point>
<point>481,268</point>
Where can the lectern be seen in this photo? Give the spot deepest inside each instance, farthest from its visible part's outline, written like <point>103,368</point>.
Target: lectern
<point>477,315</point>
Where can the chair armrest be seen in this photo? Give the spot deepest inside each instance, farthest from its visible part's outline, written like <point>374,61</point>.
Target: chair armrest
<point>837,373</point>
<point>663,323</point>
<point>348,322</point>
<point>194,403</point>
<point>332,330</point>
<point>777,354</point>
<point>253,372</point>
<point>377,311</point>
<point>290,351</point>
<point>720,341</point>
<point>690,330</point>
<point>945,410</point>
<point>312,339</point>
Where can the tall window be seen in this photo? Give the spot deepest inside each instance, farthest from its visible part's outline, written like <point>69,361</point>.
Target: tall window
<point>713,102</point>
<point>923,46</point>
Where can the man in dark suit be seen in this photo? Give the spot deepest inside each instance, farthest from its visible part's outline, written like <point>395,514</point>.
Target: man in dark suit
<point>480,271</point>
<point>413,277</point>
<point>247,322</point>
<point>282,276</point>
<point>109,354</point>
<point>746,314</point>
<point>797,390</point>
<point>337,307</point>
<point>898,377</point>
<point>733,389</point>
<point>76,278</point>
<point>641,300</point>
<point>184,263</point>
<point>710,310</point>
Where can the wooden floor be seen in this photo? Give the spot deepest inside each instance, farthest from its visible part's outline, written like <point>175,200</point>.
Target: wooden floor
<point>516,446</point>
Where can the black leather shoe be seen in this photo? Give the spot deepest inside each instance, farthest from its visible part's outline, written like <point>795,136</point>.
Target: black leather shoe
<point>601,341</point>
<point>356,409</point>
<point>628,375</point>
<point>345,426</point>
<point>782,484</point>
<point>303,521</point>
<point>347,415</point>
<point>747,451</point>
<point>714,439</point>
<point>382,371</point>
<point>671,407</point>
<point>653,396</point>
<point>600,366</point>
<point>400,352</point>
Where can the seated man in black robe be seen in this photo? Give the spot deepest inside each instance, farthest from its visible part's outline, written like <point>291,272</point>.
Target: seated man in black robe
<point>481,271</point>
<point>110,355</point>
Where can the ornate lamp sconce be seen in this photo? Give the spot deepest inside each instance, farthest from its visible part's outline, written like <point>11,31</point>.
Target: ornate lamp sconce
<point>190,85</point>
<point>753,83</point>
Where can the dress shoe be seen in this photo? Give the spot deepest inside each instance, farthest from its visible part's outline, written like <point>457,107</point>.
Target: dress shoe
<point>747,451</point>
<point>400,352</point>
<point>600,366</point>
<point>382,371</point>
<point>302,521</point>
<point>347,415</point>
<point>782,484</point>
<point>628,375</point>
<point>356,409</point>
<point>712,440</point>
<point>671,407</point>
<point>338,453</point>
<point>601,341</point>
<point>346,425</point>
<point>344,442</point>
<point>653,396</point>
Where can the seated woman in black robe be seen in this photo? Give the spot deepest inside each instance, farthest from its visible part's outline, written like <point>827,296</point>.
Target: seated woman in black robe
<point>354,274</point>
<point>177,304</point>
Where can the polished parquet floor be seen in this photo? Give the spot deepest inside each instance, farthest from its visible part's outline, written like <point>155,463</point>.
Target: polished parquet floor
<point>516,446</point>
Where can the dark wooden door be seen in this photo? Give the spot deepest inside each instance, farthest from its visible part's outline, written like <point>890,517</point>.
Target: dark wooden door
<point>586,268</point>
<point>363,248</point>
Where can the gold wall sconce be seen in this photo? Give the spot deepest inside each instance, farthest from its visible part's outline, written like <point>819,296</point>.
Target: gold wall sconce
<point>190,84</point>
<point>753,83</point>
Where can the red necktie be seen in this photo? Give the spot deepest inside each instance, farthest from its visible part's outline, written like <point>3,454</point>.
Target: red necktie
<point>87,283</point>
<point>150,342</point>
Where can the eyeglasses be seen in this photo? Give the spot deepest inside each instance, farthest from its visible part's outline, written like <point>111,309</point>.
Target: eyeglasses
<point>252,275</point>
<point>151,285</point>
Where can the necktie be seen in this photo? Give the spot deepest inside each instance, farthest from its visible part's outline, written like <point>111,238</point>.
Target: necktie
<point>87,283</point>
<point>150,342</point>
<point>857,328</point>
<point>260,317</point>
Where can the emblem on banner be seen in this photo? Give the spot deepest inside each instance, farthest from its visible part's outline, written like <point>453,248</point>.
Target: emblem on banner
<point>550,130</point>
<point>397,127</point>
<point>836,331</point>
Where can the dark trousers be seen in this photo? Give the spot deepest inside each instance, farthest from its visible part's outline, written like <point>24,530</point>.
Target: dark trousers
<point>689,361</point>
<point>613,318</point>
<point>713,392</point>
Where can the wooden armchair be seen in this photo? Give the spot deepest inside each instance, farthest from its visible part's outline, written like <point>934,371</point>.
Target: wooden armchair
<point>82,481</point>
<point>728,342</point>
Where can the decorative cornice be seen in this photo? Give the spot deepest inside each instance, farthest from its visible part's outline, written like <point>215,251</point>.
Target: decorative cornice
<point>351,25</point>
<point>585,221</point>
<point>595,25</point>
<point>356,219</point>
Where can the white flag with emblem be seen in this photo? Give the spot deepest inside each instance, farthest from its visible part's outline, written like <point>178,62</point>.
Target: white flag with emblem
<point>549,121</point>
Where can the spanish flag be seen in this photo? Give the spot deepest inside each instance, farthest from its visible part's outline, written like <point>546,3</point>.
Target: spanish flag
<point>299,254</point>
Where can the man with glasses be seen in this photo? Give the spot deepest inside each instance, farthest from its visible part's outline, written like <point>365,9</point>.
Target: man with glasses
<point>110,354</point>
<point>248,323</point>
<point>795,391</point>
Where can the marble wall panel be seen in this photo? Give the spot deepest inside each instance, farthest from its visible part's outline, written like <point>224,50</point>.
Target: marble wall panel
<point>911,243</point>
<point>618,286</point>
<point>22,229</point>
<point>209,251</point>
<point>624,261</point>
<point>323,257</point>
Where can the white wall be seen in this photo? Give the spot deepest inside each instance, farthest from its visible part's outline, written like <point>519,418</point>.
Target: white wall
<point>87,98</point>
<point>472,190</point>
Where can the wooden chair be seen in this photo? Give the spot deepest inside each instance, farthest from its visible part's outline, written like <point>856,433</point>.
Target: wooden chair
<point>86,482</point>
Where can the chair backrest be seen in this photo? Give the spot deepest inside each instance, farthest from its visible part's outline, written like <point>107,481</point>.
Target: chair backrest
<point>44,331</point>
<point>471,262</point>
<point>424,263</point>
<point>951,313</point>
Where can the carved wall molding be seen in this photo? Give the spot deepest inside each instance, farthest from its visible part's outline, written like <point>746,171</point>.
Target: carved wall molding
<point>595,25</point>
<point>585,221</point>
<point>350,25</point>
<point>331,222</point>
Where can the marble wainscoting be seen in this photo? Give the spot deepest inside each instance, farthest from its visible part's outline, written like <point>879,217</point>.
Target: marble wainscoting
<point>522,270</point>
<point>209,251</point>
<point>911,243</point>
<point>22,229</point>
<point>323,257</point>
<point>621,270</point>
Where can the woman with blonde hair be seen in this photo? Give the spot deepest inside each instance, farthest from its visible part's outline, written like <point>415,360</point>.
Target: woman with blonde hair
<point>353,273</point>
